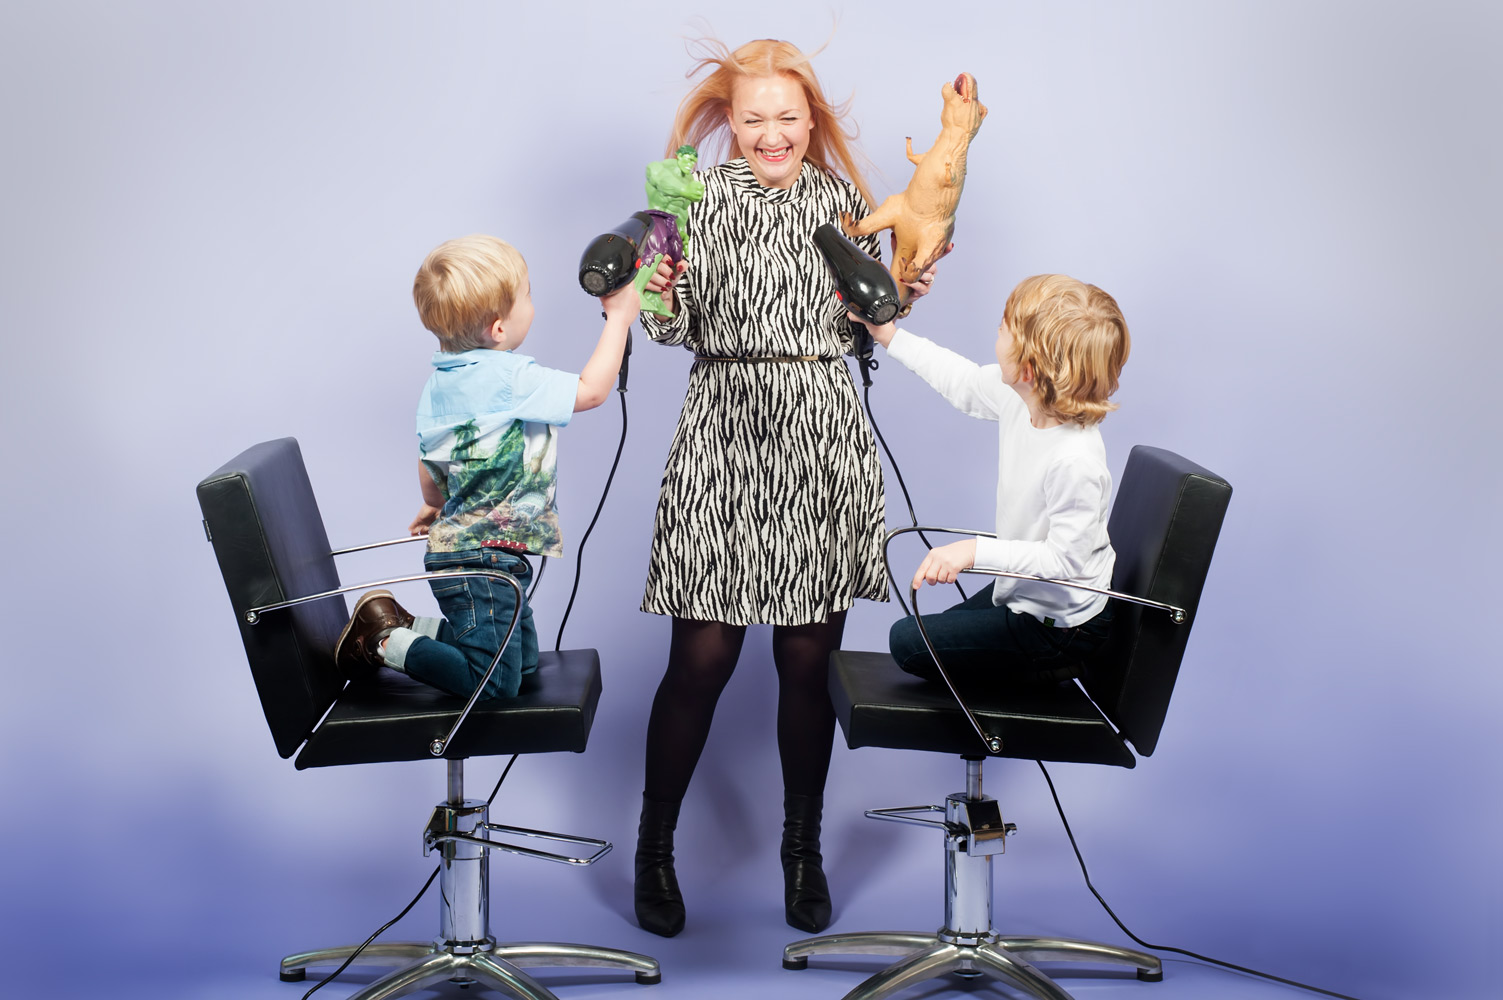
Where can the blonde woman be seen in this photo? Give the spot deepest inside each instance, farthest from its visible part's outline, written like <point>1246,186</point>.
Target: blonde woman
<point>771,508</point>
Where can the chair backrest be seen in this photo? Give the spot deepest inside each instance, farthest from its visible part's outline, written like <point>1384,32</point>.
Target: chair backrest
<point>1163,526</point>
<point>269,538</point>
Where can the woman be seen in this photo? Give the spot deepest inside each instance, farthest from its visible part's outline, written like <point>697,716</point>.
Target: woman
<point>771,507</point>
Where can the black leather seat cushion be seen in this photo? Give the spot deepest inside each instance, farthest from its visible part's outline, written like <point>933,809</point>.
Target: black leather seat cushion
<point>392,717</point>
<point>879,705</point>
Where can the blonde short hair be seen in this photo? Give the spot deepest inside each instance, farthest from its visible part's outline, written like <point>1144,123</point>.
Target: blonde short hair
<point>464,286</point>
<point>1075,338</point>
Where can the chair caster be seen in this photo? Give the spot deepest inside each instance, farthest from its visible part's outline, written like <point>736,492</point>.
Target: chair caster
<point>295,976</point>
<point>1151,977</point>
<point>649,978</point>
<point>796,963</point>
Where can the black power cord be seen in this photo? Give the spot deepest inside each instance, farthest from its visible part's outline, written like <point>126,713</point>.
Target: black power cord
<point>542,565</point>
<point>868,365</point>
<point>1163,947</point>
<point>579,554</point>
<point>379,931</point>
<point>504,773</point>
<point>406,909</point>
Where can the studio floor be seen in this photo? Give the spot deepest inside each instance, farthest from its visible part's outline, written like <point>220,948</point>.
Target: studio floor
<point>740,976</point>
<point>720,957</point>
<point>212,915</point>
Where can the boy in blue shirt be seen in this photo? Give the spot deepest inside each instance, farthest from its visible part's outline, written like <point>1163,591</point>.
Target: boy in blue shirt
<point>487,425</point>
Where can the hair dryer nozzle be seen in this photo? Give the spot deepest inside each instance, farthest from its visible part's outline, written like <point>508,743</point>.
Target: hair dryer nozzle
<point>861,281</point>
<point>610,260</point>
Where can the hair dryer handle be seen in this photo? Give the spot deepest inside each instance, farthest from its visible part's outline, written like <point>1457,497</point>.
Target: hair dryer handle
<point>625,363</point>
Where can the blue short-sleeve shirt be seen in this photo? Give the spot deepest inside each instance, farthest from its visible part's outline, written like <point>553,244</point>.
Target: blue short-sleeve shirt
<point>487,426</point>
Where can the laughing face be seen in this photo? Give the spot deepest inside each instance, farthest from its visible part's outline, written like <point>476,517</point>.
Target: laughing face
<point>771,122</point>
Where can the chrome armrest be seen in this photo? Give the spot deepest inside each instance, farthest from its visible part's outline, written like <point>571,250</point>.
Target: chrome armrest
<point>380,545</point>
<point>438,745</point>
<point>992,742</point>
<point>894,533</point>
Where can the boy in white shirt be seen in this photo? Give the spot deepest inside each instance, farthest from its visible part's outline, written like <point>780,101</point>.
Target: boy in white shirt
<point>1060,349</point>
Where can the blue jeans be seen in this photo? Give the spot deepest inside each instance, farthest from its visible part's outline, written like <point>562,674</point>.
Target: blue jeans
<point>984,645</point>
<point>476,613</point>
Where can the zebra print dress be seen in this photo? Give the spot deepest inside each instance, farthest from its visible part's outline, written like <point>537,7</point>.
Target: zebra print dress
<point>771,508</point>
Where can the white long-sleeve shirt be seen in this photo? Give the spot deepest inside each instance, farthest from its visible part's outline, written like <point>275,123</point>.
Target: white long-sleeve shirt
<point>1053,488</point>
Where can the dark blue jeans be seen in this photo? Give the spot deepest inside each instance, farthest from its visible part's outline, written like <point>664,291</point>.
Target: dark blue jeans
<point>983,645</point>
<point>476,613</point>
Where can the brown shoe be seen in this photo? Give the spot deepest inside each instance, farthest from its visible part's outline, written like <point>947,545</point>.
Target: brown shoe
<point>358,650</point>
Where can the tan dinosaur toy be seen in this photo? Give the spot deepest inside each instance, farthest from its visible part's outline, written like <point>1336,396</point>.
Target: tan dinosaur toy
<point>922,218</point>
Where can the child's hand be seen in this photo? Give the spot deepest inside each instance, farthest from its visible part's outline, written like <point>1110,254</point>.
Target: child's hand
<point>881,334</point>
<point>943,565</point>
<point>662,281</point>
<point>622,305</point>
<point>426,515</point>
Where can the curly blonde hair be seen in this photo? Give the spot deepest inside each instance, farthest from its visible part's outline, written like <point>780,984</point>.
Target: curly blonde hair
<point>703,116</point>
<point>1075,338</point>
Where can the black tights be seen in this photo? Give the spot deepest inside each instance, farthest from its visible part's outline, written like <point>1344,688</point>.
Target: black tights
<point>701,659</point>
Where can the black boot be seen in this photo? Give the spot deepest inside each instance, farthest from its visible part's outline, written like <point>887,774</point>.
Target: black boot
<point>806,894</point>
<point>659,904</point>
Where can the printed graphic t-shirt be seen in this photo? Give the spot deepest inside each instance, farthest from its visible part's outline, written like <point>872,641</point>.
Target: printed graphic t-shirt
<point>487,426</point>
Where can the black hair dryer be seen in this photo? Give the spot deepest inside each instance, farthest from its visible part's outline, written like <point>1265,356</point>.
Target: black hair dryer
<point>612,259</point>
<point>861,281</point>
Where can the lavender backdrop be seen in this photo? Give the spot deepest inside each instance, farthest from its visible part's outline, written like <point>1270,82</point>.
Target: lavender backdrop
<point>211,216</point>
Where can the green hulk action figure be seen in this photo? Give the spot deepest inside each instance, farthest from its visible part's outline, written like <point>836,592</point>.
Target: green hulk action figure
<point>671,189</point>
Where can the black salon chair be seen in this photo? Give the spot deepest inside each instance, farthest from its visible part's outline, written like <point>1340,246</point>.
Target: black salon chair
<point>262,518</point>
<point>1163,526</point>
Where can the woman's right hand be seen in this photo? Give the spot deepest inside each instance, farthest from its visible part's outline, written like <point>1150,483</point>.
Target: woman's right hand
<point>662,283</point>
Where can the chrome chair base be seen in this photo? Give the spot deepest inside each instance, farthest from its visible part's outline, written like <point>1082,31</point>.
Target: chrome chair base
<point>464,950</point>
<point>967,946</point>
<point>927,956</point>
<point>497,966</point>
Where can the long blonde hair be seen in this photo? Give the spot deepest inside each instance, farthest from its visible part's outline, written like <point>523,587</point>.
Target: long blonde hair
<point>704,114</point>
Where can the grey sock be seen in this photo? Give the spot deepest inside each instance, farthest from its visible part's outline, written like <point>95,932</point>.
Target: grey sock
<point>394,649</point>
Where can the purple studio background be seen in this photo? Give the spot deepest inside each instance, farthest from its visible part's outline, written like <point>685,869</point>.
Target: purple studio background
<point>212,215</point>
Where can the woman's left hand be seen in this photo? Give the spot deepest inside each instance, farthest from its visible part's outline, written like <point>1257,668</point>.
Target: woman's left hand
<point>925,284</point>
